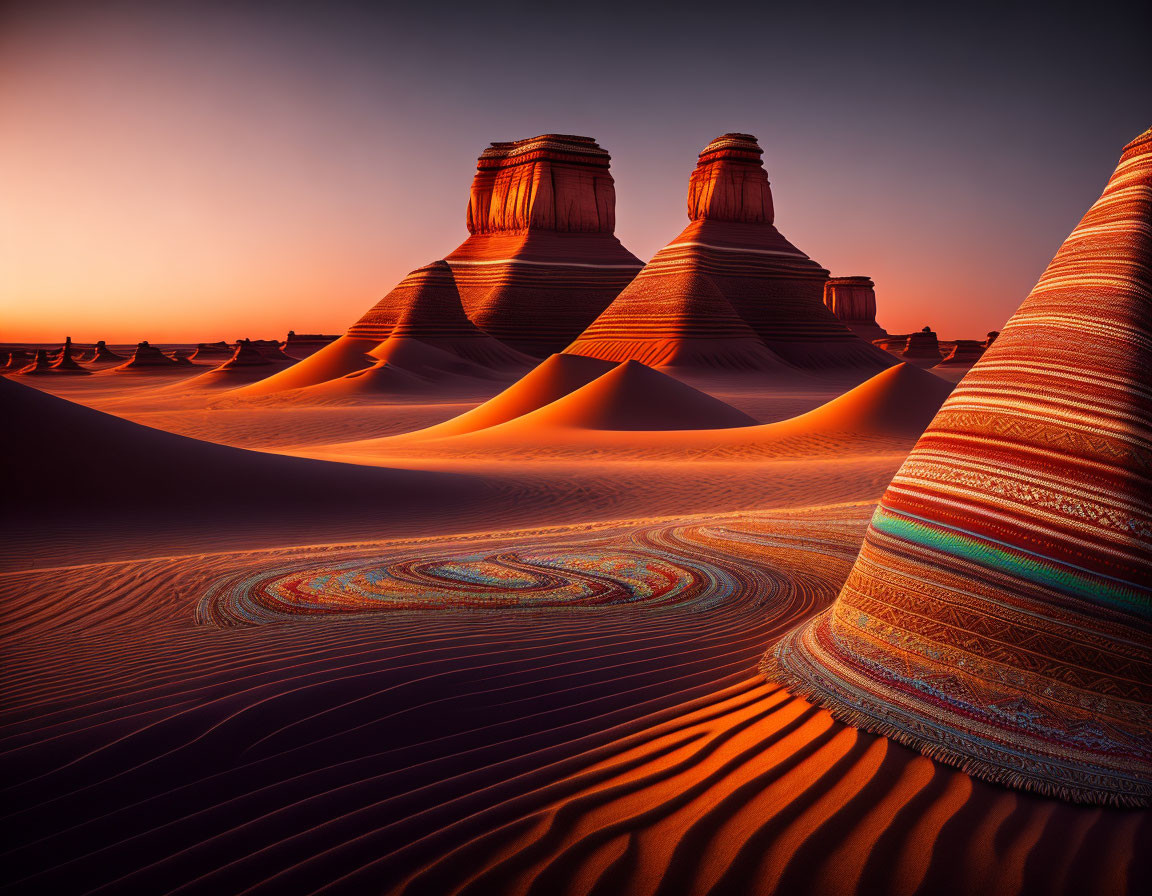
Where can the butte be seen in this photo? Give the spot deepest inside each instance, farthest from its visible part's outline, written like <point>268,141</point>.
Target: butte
<point>542,260</point>
<point>730,291</point>
<point>999,614</point>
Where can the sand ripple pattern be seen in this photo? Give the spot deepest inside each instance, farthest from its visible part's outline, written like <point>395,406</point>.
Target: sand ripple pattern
<point>180,725</point>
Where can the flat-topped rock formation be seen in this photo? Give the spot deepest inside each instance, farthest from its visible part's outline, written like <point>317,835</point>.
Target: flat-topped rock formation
<point>999,614</point>
<point>770,285</point>
<point>922,349</point>
<point>542,261</point>
<point>965,353</point>
<point>211,351</point>
<point>301,345</point>
<point>853,301</point>
<point>147,357</point>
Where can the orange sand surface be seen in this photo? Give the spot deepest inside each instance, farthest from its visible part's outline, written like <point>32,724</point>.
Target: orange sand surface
<point>275,642</point>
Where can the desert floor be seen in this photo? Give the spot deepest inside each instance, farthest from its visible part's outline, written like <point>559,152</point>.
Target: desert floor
<point>520,659</point>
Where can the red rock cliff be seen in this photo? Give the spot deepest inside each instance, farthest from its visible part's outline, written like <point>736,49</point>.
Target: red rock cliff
<point>730,184</point>
<point>554,182</point>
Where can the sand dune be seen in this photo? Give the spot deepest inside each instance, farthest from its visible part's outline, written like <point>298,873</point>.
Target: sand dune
<point>553,378</point>
<point>634,397</point>
<point>629,414</point>
<point>336,359</point>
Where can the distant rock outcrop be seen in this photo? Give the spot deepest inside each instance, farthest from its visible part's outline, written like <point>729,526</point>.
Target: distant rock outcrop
<point>246,355</point>
<point>729,291</point>
<point>922,349</point>
<point>148,357</point>
<point>65,363</point>
<point>104,355</point>
<point>17,359</point>
<point>40,364</point>
<point>853,301</point>
<point>542,261</point>
<point>211,351</point>
<point>965,353</point>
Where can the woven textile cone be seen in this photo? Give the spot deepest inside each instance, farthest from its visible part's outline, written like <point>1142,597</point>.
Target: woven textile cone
<point>999,615</point>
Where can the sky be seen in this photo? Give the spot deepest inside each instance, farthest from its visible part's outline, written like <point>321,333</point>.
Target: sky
<point>185,171</point>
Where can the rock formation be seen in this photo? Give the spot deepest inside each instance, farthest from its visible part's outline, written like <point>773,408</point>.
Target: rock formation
<point>730,263</point>
<point>542,260</point>
<point>853,301</point>
<point>208,351</point>
<point>301,345</point>
<point>674,317</point>
<point>540,264</point>
<point>922,349</point>
<point>147,357</point>
<point>246,355</point>
<point>65,362</point>
<point>430,310</point>
<point>41,364</point>
<point>104,355</point>
<point>17,359</point>
<point>999,614</point>
<point>965,353</point>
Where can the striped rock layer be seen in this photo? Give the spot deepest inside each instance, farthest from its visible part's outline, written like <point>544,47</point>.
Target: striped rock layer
<point>542,261</point>
<point>999,615</point>
<point>426,306</point>
<point>769,285</point>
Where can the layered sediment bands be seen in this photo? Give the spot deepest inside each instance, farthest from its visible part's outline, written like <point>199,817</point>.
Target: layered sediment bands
<point>542,260</point>
<point>672,316</point>
<point>729,182</point>
<point>853,301</point>
<point>556,182</point>
<point>426,306</point>
<point>773,287</point>
<point>999,616</point>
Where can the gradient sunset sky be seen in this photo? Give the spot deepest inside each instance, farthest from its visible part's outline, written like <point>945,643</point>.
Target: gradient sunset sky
<point>188,171</point>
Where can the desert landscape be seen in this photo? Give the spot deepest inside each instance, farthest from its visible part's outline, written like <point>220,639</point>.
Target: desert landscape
<point>562,571</point>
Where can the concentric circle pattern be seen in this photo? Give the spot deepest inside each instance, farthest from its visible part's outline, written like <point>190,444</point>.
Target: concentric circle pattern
<point>659,567</point>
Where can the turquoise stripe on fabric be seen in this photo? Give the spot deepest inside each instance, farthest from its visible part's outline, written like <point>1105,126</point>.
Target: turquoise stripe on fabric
<point>1033,567</point>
